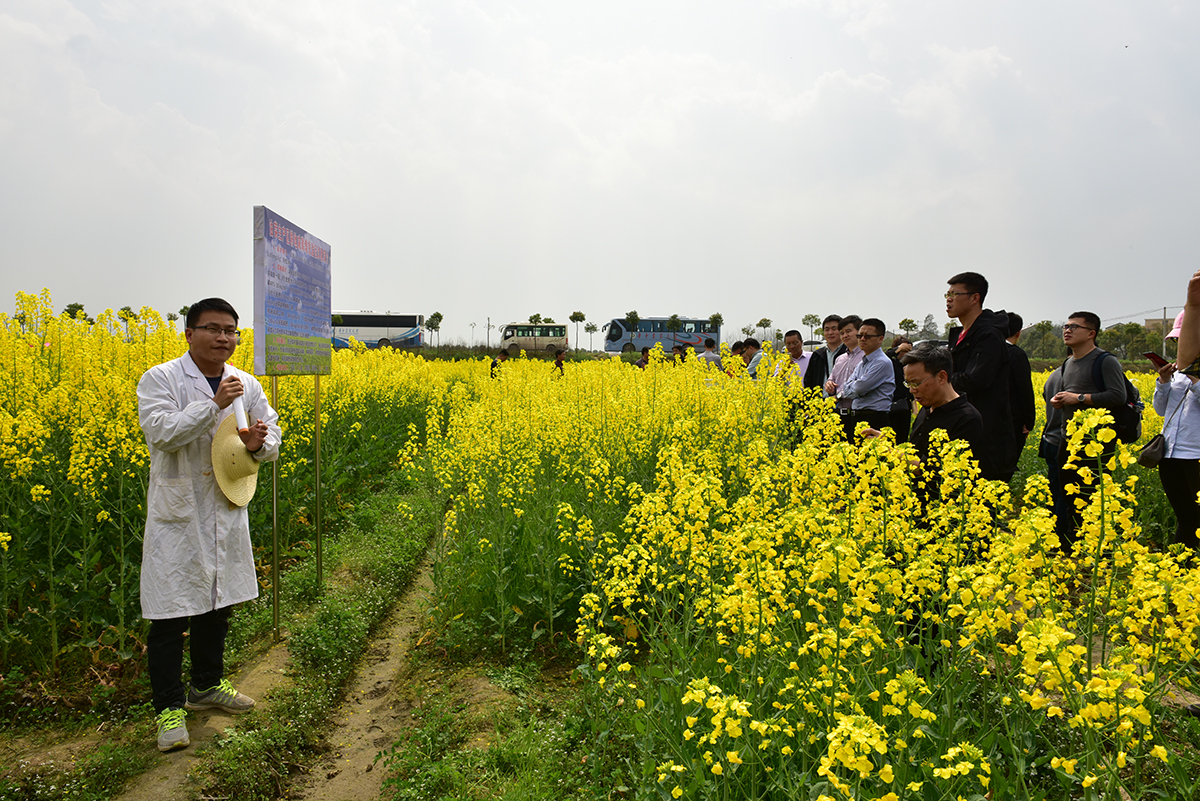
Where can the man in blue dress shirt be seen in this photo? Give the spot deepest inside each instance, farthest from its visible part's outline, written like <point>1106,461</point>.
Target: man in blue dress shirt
<point>873,382</point>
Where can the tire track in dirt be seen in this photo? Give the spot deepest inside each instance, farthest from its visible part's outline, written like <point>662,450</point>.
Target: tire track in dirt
<point>375,711</point>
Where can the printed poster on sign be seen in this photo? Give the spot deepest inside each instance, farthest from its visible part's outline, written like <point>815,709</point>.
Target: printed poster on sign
<point>292,334</point>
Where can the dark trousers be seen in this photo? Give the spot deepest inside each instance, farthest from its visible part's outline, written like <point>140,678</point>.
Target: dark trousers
<point>1181,481</point>
<point>1060,501</point>
<point>164,652</point>
<point>900,420</point>
<point>1069,521</point>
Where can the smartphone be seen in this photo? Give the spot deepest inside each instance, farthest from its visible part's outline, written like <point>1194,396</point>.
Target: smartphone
<point>1159,361</point>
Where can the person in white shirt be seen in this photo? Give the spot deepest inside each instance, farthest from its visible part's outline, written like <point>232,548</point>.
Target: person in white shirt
<point>843,368</point>
<point>1177,401</point>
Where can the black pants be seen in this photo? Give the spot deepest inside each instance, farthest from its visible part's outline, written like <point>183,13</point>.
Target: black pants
<point>1068,525</point>
<point>164,652</point>
<point>1181,481</point>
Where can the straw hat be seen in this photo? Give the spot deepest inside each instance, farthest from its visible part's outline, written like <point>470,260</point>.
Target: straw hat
<point>235,468</point>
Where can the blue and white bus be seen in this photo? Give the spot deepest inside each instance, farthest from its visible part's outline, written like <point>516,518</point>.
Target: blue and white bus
<point>378,330</point>
<point>651,330</point>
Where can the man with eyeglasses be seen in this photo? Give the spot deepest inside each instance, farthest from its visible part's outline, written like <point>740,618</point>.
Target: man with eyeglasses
<point>980,370</point>
<point>820,367</point>
<point>197,560</point>
<point>927,375</point>
<point>873,382</point>
<point>1079,391</point>
<point>843,367</point>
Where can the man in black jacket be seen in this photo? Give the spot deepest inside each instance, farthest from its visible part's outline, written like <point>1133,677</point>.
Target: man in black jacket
<point>981,369</point>
<point>1020,389</point>
<point>820,366</point>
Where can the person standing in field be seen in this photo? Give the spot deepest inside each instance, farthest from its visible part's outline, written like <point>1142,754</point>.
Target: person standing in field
<point>500,359</point>
<point>710,355</point>
<point>1020,389</point>
<point>824,357</point>
<point>1080,391</point>
<point>197,560</point>
<point>798,360</point>
<point>981,369</point>
<point>1177,401</point>
<point>872,384</point>
<point>751,355</point>
<point>843,368</point>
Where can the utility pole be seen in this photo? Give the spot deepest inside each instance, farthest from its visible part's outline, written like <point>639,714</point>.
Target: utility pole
<point>489,333</point>
<point>472,335</point>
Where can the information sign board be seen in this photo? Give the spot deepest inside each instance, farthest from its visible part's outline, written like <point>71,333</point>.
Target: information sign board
<point>292,334</point>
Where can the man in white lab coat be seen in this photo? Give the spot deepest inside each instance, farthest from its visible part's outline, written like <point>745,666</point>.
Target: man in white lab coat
<point>197,560</point>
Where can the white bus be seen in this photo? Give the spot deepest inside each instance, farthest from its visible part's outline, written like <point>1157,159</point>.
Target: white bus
<point>651,330</point>
<point>378,330</point>
<point>516,337</point>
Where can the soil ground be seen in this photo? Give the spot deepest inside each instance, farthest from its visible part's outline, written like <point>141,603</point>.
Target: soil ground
<point>376,708</point>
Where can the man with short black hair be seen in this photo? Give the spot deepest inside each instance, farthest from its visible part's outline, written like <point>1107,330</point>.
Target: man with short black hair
<point>751,355</point>
<point>710,355</point>
<point>559,355</point>
<point>981,369</point>
<point>872,384</point>
<point>500,359</point>
<point>820,367</point>
<point>927,374</point>
<point>645,360</point>
<point>844,366</point>
<point>1080,391</point>
<point>798,359</point>
<point>197,560</point>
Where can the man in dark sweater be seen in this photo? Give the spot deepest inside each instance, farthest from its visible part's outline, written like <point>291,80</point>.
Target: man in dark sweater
<point>1080,391</point>
<point>820,366</point>
<point>1020,389</point>
<point>981,369</point>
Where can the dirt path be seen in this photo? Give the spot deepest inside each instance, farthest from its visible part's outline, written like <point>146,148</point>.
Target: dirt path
<point>375,710</point>
<point>169,778</point>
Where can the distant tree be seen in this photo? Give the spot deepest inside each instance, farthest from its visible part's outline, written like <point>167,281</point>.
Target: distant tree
<point>812,321</point>
<point>908,325</point>
<point>577,318</point>
<point>74,310</point>
<point>778,335</point>
<point>764,324</point>
<point>748,330</point>
<point>433,324</point>
<point>127,315</point>
<point>172,317</point>
<point>929,329</point>
<point>336,319</point>
<point>534,319</point>
<point>717,320</point>
<point>183,312</point>
<point>590,329</point>
<point>674,325</point>
<point>631,322</point>
<point>548,320</point>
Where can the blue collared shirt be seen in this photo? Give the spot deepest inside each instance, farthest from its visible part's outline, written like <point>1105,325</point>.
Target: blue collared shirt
<point>1181,425</point>
<point>872,384</point>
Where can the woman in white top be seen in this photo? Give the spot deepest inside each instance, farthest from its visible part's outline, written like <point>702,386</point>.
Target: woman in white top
<point>1177,401</point>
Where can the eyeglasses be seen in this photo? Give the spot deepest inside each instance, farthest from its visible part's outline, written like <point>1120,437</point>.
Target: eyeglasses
<point>915,384</point>
<point>951,294</point>
<point>217,331</point>
<point>1075,327</point>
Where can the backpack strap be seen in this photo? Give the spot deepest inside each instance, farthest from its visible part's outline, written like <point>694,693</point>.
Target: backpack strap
<point>1097,370</point>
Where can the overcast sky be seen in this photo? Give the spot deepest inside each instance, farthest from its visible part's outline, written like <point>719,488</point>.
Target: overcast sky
<point>499,159</point>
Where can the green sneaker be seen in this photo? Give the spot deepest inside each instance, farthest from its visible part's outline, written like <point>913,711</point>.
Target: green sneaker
<point>172,731</point>
<point>223,697</point>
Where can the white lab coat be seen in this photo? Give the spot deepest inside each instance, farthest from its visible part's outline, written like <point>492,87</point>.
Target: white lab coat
<point>196,555</point>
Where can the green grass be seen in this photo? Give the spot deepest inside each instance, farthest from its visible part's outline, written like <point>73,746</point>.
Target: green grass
<point>540,740</point>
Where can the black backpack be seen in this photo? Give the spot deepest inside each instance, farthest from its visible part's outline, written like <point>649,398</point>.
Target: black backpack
<point>1127,416</point>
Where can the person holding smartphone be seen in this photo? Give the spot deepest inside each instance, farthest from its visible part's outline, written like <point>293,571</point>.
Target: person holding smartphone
<point>1177,401</point>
